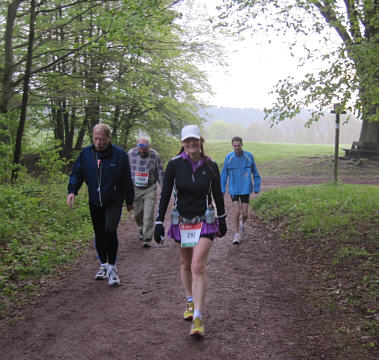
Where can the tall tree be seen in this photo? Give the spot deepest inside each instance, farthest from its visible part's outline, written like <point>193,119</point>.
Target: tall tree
<point>25,92</point>
<point>350,77</point>
<point>114,61</point>
<point>27,53</point>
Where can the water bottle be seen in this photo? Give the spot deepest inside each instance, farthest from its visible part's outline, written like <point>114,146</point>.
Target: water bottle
<point>175,216</point>
<point>210,215</point>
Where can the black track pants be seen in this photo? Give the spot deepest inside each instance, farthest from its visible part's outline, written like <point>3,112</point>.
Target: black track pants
<point>105,222</point>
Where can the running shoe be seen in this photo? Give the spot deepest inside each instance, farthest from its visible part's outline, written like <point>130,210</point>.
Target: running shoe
<point>197,327</point>
<point>236,239</point>
<point>147,243</point>
<point>102,273</point>
<point>140,234</point>
<point>242,228</point>
<point>112,276</point>
<point>188,314</point>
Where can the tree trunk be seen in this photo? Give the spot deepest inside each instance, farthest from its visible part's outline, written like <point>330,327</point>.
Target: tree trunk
<point>115,123</point>
<point>7,83</point>
<point>369,136</point>
<point>69,134</point>
<point>25,95</point>
<point>82,132</point>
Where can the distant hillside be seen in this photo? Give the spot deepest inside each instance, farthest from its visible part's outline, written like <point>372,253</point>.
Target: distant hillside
<point>222,123</point>
<point>243,117</point>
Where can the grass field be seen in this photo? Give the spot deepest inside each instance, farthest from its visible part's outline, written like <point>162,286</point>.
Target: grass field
<point>267,152</point>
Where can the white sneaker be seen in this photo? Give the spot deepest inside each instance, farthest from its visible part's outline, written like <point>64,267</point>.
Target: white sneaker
<point>236,239</point>
<point>102,273</point>
<point>112,275</point>
<point>242,228</point>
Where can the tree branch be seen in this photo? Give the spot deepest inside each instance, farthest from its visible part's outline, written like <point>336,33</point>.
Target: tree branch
<point>330,17</point>
<point>352,16</point>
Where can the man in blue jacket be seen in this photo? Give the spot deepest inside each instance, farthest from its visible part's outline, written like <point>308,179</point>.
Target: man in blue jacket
<point>239,166</point>
<point>105,169</point>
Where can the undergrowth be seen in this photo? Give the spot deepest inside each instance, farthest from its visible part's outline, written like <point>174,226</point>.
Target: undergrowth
<point>336,228</point>
<point>38,235</point>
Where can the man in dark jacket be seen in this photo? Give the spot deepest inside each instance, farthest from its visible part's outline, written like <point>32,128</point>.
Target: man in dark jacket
<point>105,169</point>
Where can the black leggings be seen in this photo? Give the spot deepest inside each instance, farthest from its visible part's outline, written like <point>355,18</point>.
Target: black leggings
<point>105,222</point>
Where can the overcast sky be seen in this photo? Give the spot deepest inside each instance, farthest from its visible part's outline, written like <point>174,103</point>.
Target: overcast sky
<point>253,71</point>
<point>255,66</point>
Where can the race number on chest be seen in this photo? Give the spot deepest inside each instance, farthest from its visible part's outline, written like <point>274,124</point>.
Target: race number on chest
<point>141,178</point>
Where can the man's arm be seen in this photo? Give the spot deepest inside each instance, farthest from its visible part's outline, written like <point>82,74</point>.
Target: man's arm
<point>128,184</point>
<point>257,179</point>
<point>75,182</point>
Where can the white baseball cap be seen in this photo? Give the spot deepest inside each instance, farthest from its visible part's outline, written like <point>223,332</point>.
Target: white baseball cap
<point>190,131</point>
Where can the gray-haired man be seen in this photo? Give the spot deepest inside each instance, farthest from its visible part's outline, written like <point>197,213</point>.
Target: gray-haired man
<point>105,169</point>
<point>147,170</point>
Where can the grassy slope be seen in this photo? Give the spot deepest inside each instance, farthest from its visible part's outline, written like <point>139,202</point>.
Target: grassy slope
<point>334,229</point>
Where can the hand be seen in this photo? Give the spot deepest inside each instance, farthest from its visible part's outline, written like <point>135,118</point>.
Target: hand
<point>129,207</point>
<point>70,199</point>
<point>222,226</point>
<point>158,233</point>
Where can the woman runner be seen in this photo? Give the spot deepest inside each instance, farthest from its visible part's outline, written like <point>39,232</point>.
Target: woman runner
<point>195,179</point>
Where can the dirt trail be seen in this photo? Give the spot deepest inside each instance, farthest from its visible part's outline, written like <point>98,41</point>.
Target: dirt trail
<point>257,307</point>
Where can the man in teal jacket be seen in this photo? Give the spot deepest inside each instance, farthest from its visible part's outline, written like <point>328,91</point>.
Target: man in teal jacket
<point>239,166</point>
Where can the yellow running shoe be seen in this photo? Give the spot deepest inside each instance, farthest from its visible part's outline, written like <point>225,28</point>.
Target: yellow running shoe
<point>197,327</point>
<point>188,314</point>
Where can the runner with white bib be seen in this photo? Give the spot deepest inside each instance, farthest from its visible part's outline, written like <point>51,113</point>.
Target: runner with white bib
<point>195,180</point>
<point>147,170</point>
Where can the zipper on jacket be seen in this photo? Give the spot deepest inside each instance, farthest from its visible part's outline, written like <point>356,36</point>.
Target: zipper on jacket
<point>98,167</point>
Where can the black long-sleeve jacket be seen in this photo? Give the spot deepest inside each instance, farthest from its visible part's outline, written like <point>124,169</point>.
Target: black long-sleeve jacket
<point>192,188</point>
<point>107,175</point>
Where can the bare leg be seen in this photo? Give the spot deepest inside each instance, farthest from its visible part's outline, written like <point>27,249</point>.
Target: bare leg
<point>236,216</point>
<point>244,211</point>
<point>185,269</point>
<point>199,275</point>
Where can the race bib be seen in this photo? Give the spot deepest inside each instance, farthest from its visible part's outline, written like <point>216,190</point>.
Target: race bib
<point>141,178</point>
<point>190,234</point>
